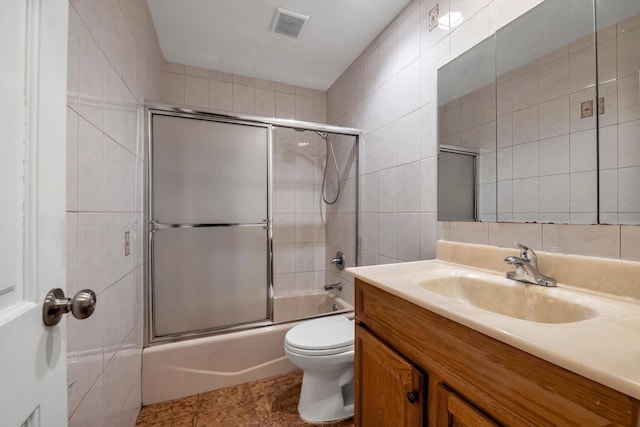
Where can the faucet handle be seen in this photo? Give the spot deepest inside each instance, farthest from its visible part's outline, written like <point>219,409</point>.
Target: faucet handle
<point>527,254</point>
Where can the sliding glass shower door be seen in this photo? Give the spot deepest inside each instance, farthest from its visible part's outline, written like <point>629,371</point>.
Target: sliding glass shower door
<point>209,224</point>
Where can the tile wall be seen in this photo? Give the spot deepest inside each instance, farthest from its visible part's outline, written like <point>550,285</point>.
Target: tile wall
<point>299,218</point>
<point>114,63</point>
<point>390,92</point>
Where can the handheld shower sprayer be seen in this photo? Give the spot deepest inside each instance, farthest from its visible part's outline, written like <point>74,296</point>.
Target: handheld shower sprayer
<point>329,149</point>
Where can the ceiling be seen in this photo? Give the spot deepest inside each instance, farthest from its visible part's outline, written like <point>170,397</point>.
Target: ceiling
<point>234,36</point>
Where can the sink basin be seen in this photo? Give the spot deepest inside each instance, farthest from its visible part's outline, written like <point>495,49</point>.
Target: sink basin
<point>502,296</point>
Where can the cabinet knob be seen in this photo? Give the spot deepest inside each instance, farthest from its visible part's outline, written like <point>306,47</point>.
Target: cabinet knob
<point>412,397</point>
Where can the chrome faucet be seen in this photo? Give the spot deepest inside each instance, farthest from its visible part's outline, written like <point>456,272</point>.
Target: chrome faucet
<point>527,268</point>
<point>333,286</point>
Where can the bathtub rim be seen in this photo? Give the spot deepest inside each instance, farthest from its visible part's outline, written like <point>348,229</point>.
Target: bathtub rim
<point>167,339</point>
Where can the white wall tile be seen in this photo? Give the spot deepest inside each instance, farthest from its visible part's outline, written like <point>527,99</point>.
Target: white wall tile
<point>525,125</point>
<point>628,98</point>
<point>304,108</point>
<point>174,90</point>
<point>470,32</point>
<point>525,160</point>
<point>628,46</point>
<point>428,131</point>
<point>220,95</point>
<point>584,192</point>
<point>505,234</point>
<point>526,195</point>
<point>285,105</point>
<point>628,147</point>
<point>196,91</point>
<point>554,117</point>
<point>593,240</point>
<point>388,139</point>
<point>504,163</point>
<point>409,138</point>
<point>408,82</point>
<point>608,197</point>
<point>409,39</point>
<point>469,232</point>
<point>243,98</point>
<point>389,235</point>
<point>583,151</point>
<point>629,237</point>
<point>408,194</point>
<point>265,102</point>
<point>388,56</point>
<point>628,196</point>
<point>525,90</point>
<point>409,236</point>
<point>428,185</point>
<point>554,193</point>
<point>554,79</point>
<point>554,155</point>
<point>389,190</point>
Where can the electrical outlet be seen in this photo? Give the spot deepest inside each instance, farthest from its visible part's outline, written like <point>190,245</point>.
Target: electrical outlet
<point>127,246</point>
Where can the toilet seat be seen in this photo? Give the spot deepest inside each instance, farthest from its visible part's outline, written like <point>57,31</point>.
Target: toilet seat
<point>321,337</point>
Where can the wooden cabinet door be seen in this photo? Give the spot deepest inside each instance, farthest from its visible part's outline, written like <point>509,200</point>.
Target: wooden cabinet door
<point>456,412</point>
<point>389,390</point>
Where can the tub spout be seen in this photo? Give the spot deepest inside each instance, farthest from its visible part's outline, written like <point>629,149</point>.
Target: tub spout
<point>333,286</point>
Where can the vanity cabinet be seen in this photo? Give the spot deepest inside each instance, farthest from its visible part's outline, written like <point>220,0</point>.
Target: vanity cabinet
<point>463,377</point>
<point>390,388</point>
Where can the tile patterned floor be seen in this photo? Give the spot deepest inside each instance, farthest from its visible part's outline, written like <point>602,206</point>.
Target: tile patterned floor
<point>264,403</point>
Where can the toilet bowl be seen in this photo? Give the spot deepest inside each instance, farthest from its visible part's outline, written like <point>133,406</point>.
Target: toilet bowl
<point>323,348</point>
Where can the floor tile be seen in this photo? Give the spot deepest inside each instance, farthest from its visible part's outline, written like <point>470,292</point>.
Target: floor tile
<point>270,402</point>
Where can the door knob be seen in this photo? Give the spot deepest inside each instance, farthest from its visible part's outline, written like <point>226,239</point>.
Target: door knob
<point>82,305</point>
<point>412,397</point>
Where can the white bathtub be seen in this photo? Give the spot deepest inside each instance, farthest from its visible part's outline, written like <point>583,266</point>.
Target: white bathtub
<point>180,369</point>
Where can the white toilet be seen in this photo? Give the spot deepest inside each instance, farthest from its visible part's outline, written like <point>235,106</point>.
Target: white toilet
<point>323,348</point>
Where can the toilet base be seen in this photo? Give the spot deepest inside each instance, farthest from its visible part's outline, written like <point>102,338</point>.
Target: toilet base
<point>326,399</point>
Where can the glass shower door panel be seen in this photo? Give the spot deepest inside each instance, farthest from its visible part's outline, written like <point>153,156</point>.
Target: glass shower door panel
<point>207,172</point>
<point>207,278</point>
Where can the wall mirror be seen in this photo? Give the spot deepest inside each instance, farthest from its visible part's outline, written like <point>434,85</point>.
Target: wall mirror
<point>549,137</point>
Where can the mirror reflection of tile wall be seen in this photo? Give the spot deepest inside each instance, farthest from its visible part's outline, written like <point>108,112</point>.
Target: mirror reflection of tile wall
<point>619,127</point>
<point>469,122</point>
<point>546,138</point>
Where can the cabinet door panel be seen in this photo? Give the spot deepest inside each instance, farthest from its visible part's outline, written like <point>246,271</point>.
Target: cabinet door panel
<point>459,413</point>
<point>383,382</point>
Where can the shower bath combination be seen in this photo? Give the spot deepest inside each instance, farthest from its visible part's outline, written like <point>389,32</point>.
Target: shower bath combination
<point>216,268</point>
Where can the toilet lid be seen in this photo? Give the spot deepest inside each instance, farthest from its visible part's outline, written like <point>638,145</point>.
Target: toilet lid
<point>324,333</point>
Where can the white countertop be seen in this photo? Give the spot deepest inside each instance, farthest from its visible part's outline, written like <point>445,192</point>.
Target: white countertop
<point>605,348</point>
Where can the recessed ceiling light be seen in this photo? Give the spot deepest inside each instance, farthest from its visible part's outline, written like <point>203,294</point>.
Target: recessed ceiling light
<point>450,20</point>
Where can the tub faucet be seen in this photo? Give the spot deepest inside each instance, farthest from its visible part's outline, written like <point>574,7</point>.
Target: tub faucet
<point>333,286</point>
<point>527,268</point>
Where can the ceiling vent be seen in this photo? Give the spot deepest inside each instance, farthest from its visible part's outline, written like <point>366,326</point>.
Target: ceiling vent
<point>288,23</point>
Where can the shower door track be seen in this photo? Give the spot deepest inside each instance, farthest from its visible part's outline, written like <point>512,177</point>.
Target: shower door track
<point>157,225</point>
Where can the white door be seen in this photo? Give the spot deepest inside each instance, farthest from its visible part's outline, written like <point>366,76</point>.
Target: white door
<point>33,64</point>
